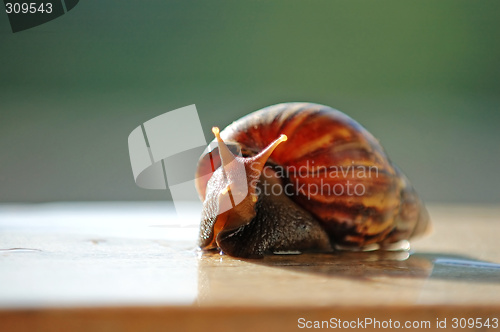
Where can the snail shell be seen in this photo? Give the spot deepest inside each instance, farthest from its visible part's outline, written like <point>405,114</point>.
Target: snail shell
<point>338,186</point>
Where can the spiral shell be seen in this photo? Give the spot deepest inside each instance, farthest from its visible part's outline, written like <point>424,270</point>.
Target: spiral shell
<point>330,152</point>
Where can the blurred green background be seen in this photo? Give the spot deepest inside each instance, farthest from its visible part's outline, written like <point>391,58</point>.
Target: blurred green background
<point>422,76</point>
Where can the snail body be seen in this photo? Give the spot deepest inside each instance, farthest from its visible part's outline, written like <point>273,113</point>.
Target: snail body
<point>330,185</point>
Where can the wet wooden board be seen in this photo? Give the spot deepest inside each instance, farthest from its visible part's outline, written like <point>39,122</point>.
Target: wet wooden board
<point>111,267</point>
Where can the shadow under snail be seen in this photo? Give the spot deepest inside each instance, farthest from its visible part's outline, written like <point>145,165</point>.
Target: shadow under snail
<point>302,177</point>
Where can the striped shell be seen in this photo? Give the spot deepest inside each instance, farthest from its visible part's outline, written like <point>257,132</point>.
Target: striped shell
<point>327,149</point>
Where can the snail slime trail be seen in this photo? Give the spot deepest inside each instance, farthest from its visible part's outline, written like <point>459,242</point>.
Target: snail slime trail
<point>309,178</point>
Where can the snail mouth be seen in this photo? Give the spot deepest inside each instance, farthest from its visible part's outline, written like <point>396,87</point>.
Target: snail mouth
<point>217,229</point>
<point>235,218</point>
<point>244,212</point>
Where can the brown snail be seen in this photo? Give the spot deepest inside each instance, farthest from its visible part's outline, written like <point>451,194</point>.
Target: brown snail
<point>330,185</point>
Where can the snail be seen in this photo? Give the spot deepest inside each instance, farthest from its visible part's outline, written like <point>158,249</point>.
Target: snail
<point>302,177</point>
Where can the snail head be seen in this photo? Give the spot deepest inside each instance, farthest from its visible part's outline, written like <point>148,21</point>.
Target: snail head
<point>232,191</point>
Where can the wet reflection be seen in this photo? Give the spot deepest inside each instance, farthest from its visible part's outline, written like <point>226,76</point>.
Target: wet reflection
<point>343,277</point>
<point>360,265</point>
<point>461,268</point>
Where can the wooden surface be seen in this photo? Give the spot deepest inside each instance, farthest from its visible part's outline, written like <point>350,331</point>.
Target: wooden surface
<point>111,266</point>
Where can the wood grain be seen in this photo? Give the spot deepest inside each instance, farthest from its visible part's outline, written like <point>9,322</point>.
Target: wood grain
<point>95,276</point>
